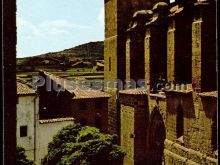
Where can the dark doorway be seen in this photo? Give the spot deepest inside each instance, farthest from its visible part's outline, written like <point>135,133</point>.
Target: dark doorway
<point>156,138</point>
<point>179,122</point>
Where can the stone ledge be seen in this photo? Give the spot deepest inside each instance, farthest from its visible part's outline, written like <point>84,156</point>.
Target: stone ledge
<point>185,92</point>
<point>187,153</point>
<point>158,95</point>
<point>177,158</point>
<point>212,94</point>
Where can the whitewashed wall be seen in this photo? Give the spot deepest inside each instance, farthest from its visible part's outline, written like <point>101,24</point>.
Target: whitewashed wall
<point>46,131</point>
<point>35,146</point>
<point>26,107</point>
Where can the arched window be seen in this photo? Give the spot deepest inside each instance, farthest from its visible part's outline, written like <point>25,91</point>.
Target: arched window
<point>179,122</point>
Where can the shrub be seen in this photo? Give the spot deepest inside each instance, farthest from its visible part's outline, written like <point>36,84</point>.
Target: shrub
<point>21,158</point>
<point>79,145</point>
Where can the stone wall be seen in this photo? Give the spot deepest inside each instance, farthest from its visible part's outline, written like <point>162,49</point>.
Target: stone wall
<point>139,129</point>
<point>91,114</point>
<point>198,120</point>
<point>175,153</point>
<point>134,117</point>
<point>118,15</point>
<point>181,124</point>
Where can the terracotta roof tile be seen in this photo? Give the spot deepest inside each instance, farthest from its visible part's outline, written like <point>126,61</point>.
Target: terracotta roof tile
<point>89,93</point>
<point>136,91</point>
<point>24,89</point>
<point>56,120</point>
<point>76,88</point>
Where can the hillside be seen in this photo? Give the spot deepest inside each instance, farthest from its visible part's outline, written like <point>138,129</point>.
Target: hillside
<point>90,51</point>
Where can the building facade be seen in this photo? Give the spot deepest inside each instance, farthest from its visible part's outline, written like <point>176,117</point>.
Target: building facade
<point>70,99</point>
<point>27,116</point>
<point>172,47</point>
<point>32,133</point>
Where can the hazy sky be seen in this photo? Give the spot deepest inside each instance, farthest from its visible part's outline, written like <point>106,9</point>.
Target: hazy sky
<point>52,25</point>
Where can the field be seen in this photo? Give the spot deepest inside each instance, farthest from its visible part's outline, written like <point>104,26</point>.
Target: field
<point>73,73</point>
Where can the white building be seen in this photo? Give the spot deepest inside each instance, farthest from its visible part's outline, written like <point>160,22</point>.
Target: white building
<point>34,134</point>
<point>27,114</point>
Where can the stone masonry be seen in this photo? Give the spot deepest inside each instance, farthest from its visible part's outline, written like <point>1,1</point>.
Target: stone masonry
<point>163,43</point>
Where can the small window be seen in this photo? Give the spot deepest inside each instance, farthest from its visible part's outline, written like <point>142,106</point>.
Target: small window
<point>83,106</point>
<point>23,131</point>
<point>98,105</point>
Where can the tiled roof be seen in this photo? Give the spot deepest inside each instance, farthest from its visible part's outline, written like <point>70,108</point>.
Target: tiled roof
<point>89,93</point>
<point>56,120</point>
<point>24,89</point>
<point>136,91</point>
<point>76,89</point>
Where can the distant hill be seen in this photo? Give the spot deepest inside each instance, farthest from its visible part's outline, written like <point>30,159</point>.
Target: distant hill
<point>90,51</point>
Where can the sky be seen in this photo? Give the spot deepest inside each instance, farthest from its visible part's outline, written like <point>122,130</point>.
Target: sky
<point>53,25</point>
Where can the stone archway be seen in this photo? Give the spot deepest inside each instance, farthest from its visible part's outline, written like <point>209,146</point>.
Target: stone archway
<point>156,138</point>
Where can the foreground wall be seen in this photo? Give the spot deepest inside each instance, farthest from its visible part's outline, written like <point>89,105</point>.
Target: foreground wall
<point>177,128</point>
<point>197,142</point>
<point>27,113</point>
<point>46,130</point>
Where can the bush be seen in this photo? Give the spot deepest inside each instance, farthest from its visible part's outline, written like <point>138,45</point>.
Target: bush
<point>21,158</point>
<point>79,145</point>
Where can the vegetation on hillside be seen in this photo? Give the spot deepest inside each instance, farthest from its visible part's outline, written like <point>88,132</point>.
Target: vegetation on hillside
<point>86,52</point>
<point>79,145</point>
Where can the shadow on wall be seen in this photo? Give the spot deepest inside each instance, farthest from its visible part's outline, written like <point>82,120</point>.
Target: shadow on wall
<point>156,138</point>
<point>185,101</point>
<point>210,109</point>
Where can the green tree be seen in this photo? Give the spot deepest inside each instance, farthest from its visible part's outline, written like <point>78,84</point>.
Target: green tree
<point>21,158</point>
<point>77,145</point>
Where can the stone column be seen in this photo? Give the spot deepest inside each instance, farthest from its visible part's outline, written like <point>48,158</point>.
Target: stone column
<point>117,15</point>
<point>171,50</point>
<point>156,46</point>
<point>179,39</point>
<point>134,121</point>
<point>204,47</point>
<point>135,46</point>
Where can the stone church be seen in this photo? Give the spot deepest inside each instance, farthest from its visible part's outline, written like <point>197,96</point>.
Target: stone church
<point>173,43</point>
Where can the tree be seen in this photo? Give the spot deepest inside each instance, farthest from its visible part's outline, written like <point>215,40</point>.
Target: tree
<point>21,158</point>
<point>79,145</point>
